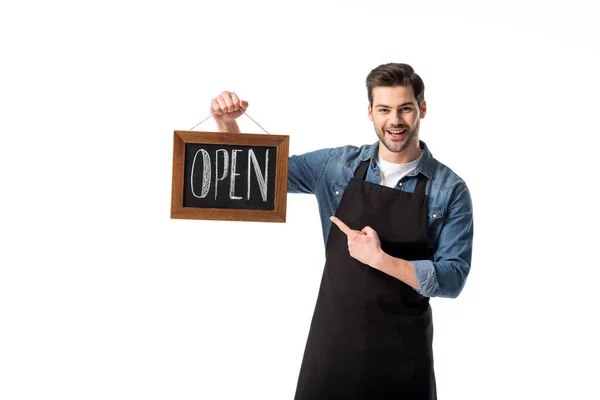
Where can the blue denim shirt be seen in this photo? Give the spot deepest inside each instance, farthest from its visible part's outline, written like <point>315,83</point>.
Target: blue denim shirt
<point>326,173</point>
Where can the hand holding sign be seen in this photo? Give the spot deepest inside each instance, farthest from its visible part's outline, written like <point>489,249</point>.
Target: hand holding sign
<point>363,245</point>
<point>227,107</point>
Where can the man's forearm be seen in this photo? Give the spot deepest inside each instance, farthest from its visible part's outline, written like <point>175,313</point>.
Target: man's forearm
<point>398,268</point>
<point>229,126</point>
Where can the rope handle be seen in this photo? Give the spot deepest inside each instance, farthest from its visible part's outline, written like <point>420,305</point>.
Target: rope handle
<point>242,111</point>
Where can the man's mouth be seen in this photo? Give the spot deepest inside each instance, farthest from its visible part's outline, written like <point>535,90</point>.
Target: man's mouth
<point>396,133</point>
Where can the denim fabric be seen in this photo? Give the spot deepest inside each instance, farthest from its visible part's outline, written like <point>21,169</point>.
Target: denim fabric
<point>326,173</point>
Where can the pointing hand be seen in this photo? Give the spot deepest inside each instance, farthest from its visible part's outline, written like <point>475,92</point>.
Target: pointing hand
<point>363,245</point>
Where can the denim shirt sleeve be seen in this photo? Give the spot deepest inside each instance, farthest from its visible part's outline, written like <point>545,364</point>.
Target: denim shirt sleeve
<point>446,275</point>
<point>305,171</point>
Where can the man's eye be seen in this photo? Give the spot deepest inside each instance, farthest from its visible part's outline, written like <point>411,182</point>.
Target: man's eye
<point>406,109</point>
<point>383,110</point>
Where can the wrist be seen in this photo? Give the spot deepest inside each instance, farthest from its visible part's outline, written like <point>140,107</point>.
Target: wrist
<point>228,126</point>
<point>379,259</point>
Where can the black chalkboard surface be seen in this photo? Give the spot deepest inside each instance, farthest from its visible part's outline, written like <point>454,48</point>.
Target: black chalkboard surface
<point>226,176</point>
<point>229,176</point>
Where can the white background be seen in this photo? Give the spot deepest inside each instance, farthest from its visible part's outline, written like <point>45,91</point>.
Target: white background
<point>103,296</point>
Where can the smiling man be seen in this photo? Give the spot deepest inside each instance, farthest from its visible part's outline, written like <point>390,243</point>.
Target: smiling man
<point>404,234</point>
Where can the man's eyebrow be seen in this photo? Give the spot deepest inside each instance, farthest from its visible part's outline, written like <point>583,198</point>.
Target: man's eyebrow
<point>408,103</point>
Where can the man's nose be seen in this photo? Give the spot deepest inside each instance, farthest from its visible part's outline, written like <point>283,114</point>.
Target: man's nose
<point>396,118</point>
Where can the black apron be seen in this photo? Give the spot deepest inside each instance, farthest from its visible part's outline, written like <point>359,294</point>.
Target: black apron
<point>371,334</point>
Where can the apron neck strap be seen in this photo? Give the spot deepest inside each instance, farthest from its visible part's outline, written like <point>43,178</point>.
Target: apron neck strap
<point>361,172</point>
<point>421,184</point>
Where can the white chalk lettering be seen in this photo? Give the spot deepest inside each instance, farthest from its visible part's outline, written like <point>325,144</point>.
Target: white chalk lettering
<point>233,174</point>
<point>205,173</point>
<point>226,171</point>
<point>225,168</point>
<point>262,179</point>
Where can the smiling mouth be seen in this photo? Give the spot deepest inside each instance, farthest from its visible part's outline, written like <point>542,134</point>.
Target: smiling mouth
<point>397,133</point>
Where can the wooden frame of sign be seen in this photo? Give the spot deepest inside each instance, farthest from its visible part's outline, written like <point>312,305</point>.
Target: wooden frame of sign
<point>229,176</point>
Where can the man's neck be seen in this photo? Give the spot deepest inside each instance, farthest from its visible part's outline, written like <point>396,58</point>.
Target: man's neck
<point>403,157</point>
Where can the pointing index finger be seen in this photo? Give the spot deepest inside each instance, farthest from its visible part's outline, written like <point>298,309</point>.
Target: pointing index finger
<point>343,227</point>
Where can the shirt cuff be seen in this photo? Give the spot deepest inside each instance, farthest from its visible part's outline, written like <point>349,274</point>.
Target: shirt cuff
<point>427,278</point>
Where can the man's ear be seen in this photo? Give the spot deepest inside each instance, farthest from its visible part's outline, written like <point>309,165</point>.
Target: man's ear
<point>370,112</point>
<point>423,108</point>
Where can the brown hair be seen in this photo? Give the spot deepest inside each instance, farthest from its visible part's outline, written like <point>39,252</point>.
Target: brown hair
<point>395,74</point>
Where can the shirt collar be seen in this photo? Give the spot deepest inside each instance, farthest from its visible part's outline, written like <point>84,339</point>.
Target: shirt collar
<point>425,165</point>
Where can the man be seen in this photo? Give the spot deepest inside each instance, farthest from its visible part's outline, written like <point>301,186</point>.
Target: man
<point>405,234</point>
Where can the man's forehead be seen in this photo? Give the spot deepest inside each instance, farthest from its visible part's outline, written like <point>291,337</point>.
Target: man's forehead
<point>393,94</point>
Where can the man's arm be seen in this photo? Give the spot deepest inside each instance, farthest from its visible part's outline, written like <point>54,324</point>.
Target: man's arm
<point>446,275</point>
<point>305,171</point>
<point>396,267</point>
<point>365,246</point>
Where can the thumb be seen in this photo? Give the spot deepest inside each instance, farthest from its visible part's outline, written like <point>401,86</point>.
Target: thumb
<point>244,105</point>
<point>367,230</point>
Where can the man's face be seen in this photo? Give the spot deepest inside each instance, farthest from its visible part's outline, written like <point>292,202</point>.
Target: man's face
<point>396,114</point>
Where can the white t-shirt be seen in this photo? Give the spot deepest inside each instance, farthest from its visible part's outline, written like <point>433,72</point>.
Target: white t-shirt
<point>391,173</point>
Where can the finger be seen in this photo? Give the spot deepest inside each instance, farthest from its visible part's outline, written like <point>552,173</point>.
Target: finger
<point>215,108</point>
<point>354,236</point>
<point>229,102</point>
<point>343,227</point>
<point>222,104</point>
<point>367,230</point>
<point>236,101</point>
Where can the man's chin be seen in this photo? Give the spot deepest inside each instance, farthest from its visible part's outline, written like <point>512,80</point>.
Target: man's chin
<point>395,146</point>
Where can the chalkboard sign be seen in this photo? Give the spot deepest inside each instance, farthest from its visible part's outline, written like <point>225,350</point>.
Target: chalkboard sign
<point>229,176</point>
